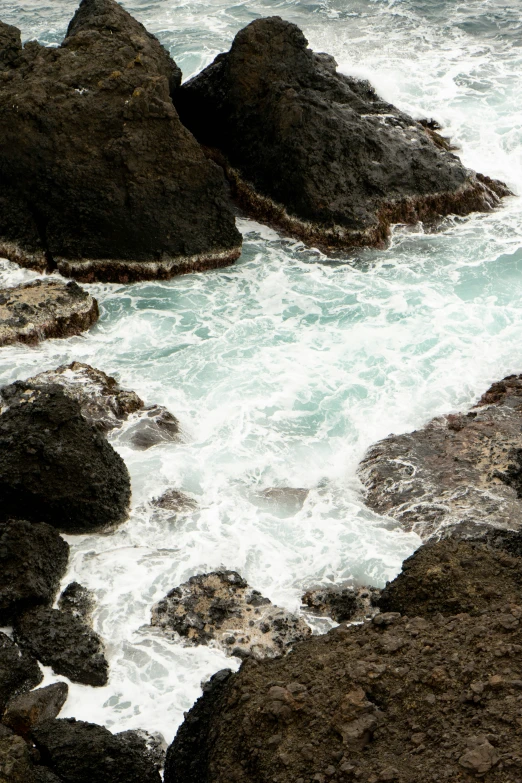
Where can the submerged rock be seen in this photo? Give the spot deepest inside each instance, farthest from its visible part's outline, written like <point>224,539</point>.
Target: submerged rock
<point>98,177</point>
<point>284,501</point>
<point>19,671</point>
<point>41,309</point>
<point>57,468</point>
<point>66,643</point>
<point>28,710</point>
<point>221,609</point>
<point>399,698</point>
<point>77,600</point>
<point>174,500</point>
<point>341,603</point>
<point>319,153</point>
<point>33,559</point>
<point>459,471</point>
<point>80,752</point>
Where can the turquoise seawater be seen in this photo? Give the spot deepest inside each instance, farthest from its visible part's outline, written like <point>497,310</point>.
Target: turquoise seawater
<point>285,367</point>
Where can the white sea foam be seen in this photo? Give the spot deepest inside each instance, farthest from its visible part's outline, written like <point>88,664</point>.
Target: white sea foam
<point>284,368</point>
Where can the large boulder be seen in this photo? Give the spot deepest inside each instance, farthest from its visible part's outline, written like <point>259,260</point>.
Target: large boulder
<point>80,752</point>
<point>41,309</point>
<point>33,559</point>
<point>220,609</point>
<point>319,153</point>
<point>57,468</point>
<point>19,671</point>
<point>399,698</point>
<point>27,710</point>
<point>98,177</point>
<point>65,642</point>
<point>462,470</point>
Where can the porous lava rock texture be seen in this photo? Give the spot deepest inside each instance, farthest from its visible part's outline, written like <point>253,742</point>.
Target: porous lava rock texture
<point>103,403</point>
<point>19,671</point>
<point>319,153</point>
<point>80,752</point>
<point>77,600</point>
<point>29,709</point>
<point>57,468</point>
<point>66,643</point>
<point>98,177</point>
<point>341,603</point>
<point>221,609</point>
<point>33,560</point>
<point>460,471</point>
<point>398,698</point>
<point>44,308</point>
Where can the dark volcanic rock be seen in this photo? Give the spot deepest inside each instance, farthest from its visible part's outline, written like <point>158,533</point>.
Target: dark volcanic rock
<point>77,600</point>
<point>153,746</point>
<point>60,640</point>
<point>341,603</point>
<point>10,45</point>
<point>460,471</point>
<point>220,608</point>
<point>82,752</point>
<point>33,559</point>
<point>29,709</point>
<point>398,698</point>
<point>174,500</point>
<point>15,761</point>
<point>41,309</point>
<point>19,671</point>
<point>98,177</point>
<point>319,153</point>
<point>57,468</point>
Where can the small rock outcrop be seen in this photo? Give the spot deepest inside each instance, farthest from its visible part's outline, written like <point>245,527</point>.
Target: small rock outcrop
<point>77,600</point>
<point>66,643</point>
<point>403,698</point>
<point>102,402</point>
<point>318,153</point>
<point>33,559</point>
<point>28,710</point>
<point>44,308</point>
<point>80,752</point>
<point>19,671</point>
<point>341,603</point>
<point>221,609</point>
<point>98,177</point>
<point>57,468</point>
<point>174,500</point>
<point>459,471</point>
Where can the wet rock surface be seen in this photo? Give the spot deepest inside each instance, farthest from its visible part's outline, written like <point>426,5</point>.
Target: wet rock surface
<point>80,752</point>
<point>319,153</point>
<point>41,309</point>
<point>221,609</point>
<point>174,500</point>
<point>153,746</point>
<point>398,698</point>
<point>19,671</point>
<point>461,471</point>
<point>98,177</point>
<point>66,643</point>
<point>33,559</point>
<point>341,603</point>
<point>29,709</point>
<point>77,600</point>
<point>57,468</point>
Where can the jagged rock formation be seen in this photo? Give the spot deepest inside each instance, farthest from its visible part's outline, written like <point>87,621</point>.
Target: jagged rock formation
<point>66,643</point>
<point>98,177</point>
<point>341,603</point>
<point>221,609</point>
<point>29,709</point>
<point>57,468</point>
<point>77,600</point>
<point>19,671</point>
<point>433,695</point>
<point>317,153</point>
<point>461,470</point>
<point>103,403</point>
<point>41,309</point>
<point>33,559</point>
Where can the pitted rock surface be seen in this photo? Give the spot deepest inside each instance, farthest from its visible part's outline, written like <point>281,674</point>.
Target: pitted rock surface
<point>19,671</point>
<point>221,609</point>
<point>33,560</point>
<point>461,471</point>
<point>319,153</point>
<point>15,761</point>
<point>98,177</point>
<point>77,600</point>
<point>66,643</point>
<point>41,309</point>
<point>57,468</point>
<point>341,603</point>
<point>404,698</point>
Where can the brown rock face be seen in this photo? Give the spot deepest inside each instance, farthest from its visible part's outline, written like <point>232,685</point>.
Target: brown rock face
<point>98,177</point>
<point>28,710</point>
<point>35,311</point>
<point>459,470</point>
<point>318,153</point>
<point>405,698</point>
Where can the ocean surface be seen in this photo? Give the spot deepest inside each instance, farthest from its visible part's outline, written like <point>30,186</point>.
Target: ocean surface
<point>285,367</point>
